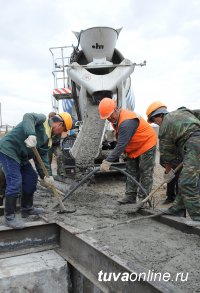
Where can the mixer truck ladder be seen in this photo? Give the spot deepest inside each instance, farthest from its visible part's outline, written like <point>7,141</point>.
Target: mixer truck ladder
<point>61,58</point>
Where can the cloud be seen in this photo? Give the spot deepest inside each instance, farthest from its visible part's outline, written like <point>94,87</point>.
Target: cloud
<point>165,33</point>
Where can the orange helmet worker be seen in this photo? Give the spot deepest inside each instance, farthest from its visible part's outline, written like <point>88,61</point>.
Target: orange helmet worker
<point>154,109</point>
<point>106,107</point>
<point>137,139</point>
<point>179,134</point>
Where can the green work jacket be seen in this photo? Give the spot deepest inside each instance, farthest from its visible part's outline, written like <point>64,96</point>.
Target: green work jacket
<point>13,145</point>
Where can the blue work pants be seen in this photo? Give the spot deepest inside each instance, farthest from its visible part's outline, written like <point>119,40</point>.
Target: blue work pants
<point>19,178</point>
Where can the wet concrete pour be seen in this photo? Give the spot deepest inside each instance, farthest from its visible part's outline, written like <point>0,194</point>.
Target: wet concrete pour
<point>155,246</point>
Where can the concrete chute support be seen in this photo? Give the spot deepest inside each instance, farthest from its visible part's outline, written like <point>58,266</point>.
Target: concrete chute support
<point>92,72</point>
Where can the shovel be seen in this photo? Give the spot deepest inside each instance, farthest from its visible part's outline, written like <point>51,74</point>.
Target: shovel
<point>52,187</point>
<point>140,204</point>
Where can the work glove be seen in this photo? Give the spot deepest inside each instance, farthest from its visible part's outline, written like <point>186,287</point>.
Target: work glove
<point>105,166</point>
<point>31,141</point>
<point>42,183</point>
<point>169,176</point>
<point>123,156</point>
<point>49,180</point>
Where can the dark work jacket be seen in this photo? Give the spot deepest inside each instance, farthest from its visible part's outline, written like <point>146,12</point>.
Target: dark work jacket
<point>13,145</point>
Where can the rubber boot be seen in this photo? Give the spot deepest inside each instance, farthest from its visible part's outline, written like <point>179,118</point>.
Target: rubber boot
<point>127,199</point>
<point>178,209</point>
<point>175,211</point>
<point>27,208</point>
<point>10,218</point>
<point>168,201</point>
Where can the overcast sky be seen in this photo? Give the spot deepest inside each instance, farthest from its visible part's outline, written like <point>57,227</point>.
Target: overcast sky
<point>165,33</point>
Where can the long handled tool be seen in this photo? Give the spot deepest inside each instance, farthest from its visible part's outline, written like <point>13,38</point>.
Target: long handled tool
<point>118,224</point>
<point>49,186</point>
<point>154,191</point>
<point>53,188</point>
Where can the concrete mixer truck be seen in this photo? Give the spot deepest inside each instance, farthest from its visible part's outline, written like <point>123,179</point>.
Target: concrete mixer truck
<point>83,75</point>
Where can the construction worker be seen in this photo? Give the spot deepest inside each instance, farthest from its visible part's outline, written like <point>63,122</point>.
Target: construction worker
<point>35,130</point>
<point>56,150</point>
<point>137,139</point>
<point>180,130</point>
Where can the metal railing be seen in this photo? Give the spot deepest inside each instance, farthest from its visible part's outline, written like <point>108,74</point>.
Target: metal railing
<point>61,59</point>
<point>5,128</point>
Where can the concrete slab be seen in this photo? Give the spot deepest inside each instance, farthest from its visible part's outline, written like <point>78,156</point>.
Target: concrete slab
<point>42,272</point>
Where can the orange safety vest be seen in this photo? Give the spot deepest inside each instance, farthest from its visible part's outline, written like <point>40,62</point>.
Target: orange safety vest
<point>143,139</point>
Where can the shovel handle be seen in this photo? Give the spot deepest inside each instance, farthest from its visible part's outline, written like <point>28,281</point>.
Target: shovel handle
<point>53,188</point>
<point>40,161</point>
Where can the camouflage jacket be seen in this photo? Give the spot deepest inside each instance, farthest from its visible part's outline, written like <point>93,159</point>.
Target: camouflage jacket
<point>176,128</point>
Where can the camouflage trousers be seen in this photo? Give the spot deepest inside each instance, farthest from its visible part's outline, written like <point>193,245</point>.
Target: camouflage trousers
<point>141,168</point>
<point>56,150</point>
<point>189,180</point>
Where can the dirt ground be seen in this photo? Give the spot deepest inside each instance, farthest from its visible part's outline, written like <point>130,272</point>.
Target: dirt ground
<point>152,245</point>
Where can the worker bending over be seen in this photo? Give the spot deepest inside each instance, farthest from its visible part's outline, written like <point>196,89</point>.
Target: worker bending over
<point>180,131</point>
<point>56,151</point>
<point>35,130</point>
<point>137,139</point>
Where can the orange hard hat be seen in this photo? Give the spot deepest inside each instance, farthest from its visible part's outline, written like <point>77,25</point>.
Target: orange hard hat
<point>155,108</point>
<point>106,107</point>
<point>67,120</point>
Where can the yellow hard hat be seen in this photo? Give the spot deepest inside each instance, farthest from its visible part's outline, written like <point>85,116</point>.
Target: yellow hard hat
<point>106,107</point>
<point>155,108</point>
<point>67,120</point>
